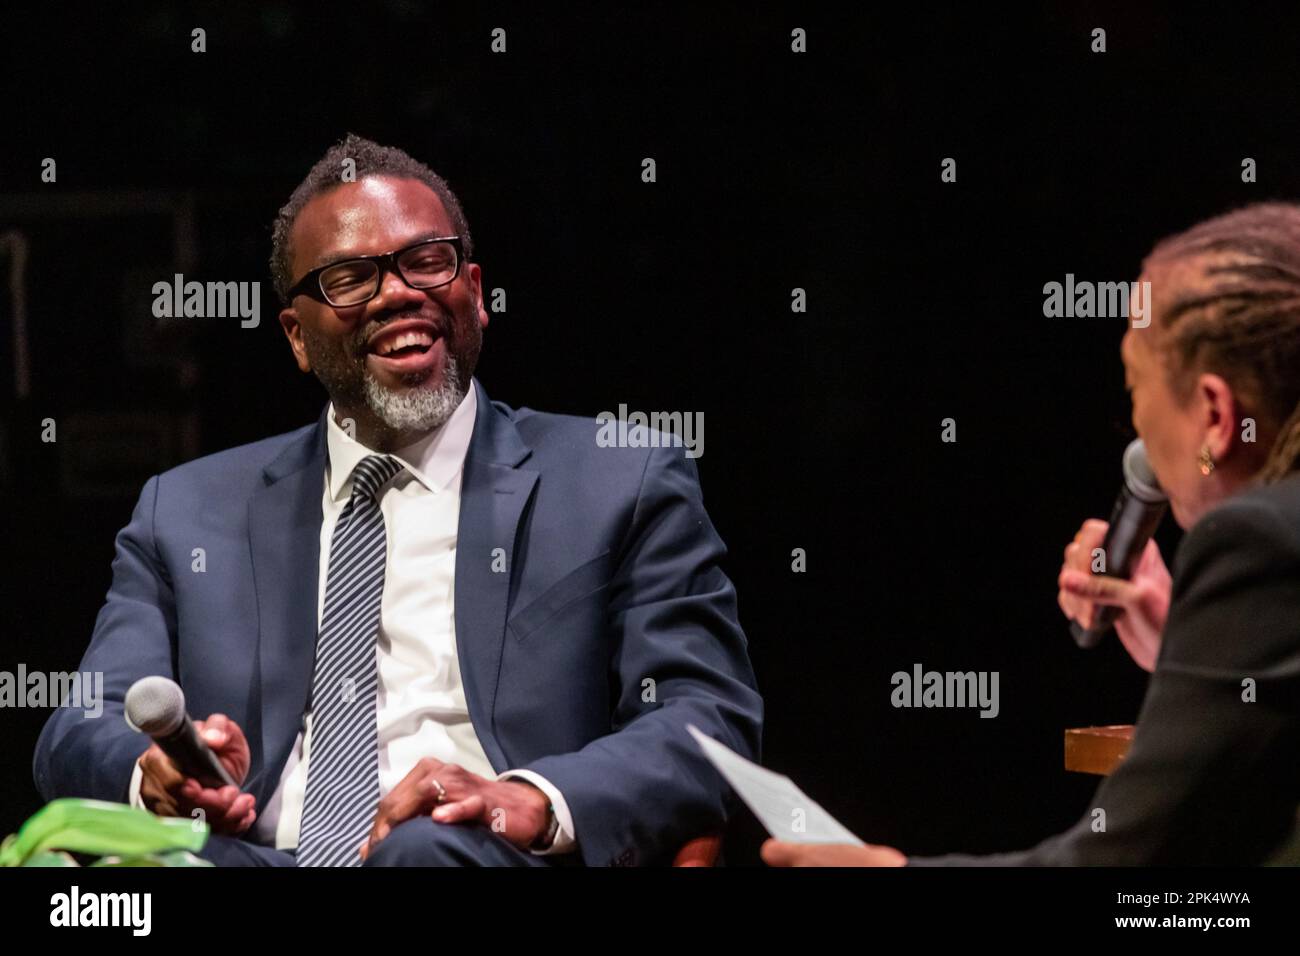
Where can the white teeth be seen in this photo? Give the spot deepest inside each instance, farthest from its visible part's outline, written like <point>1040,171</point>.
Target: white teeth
<point>405,339</point>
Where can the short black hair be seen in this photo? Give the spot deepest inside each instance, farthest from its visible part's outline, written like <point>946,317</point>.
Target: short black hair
<point>371,159</point>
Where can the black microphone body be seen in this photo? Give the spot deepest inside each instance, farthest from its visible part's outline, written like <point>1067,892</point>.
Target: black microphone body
<point>193,757</point>
<point>1140,506</point>
<point>156,706</point>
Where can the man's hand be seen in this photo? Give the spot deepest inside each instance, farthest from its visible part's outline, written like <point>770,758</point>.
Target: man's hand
<point>169,793</point>
<point>512,808</point>
<point>782,853</point>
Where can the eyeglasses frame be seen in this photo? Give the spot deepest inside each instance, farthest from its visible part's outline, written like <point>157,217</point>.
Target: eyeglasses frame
<point>309,285</point>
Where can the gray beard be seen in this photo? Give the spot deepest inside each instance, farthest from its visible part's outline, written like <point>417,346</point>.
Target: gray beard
<point>416,409</point>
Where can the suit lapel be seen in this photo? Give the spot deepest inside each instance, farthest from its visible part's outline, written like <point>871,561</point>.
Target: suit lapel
<point>284,531</point>
<point>494,493</point>
<point>284,521</point>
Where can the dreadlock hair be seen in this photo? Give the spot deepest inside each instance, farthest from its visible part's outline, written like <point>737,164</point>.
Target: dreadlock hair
<point>371,159</point>
<point>1241,319</point>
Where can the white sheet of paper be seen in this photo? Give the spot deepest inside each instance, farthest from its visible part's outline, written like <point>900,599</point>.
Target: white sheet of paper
<point>786,811</point>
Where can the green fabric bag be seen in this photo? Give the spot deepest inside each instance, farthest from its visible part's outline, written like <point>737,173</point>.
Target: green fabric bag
<point>120,835</point>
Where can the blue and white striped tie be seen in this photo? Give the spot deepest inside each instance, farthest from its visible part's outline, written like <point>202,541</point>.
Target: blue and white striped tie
<point>343,761</point>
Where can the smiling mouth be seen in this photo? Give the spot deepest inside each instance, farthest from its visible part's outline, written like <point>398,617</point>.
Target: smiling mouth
<point>406,355</point>
<point>416,342</point>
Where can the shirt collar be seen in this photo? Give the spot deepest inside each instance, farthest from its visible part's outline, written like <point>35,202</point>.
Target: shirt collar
<point>434,460</point>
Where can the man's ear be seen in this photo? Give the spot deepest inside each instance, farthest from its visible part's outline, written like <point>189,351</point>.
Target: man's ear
<point>1220,413</point>
<point>293,331</point>
<point>475,275</point>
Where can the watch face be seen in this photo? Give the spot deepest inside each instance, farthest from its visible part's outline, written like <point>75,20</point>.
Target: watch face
<point>552,828</point>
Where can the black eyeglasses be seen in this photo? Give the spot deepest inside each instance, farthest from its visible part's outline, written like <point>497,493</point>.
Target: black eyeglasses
<point>427,264</point>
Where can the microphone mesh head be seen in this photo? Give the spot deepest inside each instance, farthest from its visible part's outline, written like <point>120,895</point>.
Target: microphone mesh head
<point>155,706</point>
<point>1139,477</point>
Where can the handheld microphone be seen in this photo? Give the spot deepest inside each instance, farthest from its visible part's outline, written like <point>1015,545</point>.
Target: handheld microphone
<point>1138,509</point>
<point>156,706</point>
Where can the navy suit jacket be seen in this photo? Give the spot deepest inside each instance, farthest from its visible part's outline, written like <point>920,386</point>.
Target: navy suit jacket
<point>612,581</point>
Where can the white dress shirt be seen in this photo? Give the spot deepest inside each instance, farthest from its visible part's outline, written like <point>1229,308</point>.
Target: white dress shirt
<point>421,701</point>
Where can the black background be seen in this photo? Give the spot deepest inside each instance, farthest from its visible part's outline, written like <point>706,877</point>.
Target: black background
<point>775,171</point>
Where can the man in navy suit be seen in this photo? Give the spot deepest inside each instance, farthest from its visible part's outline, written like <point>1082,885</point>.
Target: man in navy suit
<point>427,629</point>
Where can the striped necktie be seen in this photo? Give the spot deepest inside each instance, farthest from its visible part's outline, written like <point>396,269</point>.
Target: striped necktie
<point>343,759</point>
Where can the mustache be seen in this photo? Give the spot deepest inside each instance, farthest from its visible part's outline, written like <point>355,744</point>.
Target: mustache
<point>363,335</point>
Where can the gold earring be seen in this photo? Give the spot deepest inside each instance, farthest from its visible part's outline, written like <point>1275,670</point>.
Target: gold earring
<point>1206,460</point>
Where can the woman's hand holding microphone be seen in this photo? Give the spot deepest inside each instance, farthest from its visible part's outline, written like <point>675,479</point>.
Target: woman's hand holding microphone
<point>1144,599</point>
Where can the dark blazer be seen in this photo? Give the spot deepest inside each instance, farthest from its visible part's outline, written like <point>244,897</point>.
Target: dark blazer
<point>1210,778</point>
<point>612,580</point>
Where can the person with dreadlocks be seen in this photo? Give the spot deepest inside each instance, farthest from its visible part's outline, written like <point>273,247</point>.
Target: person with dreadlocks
<point>1212,775</point>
